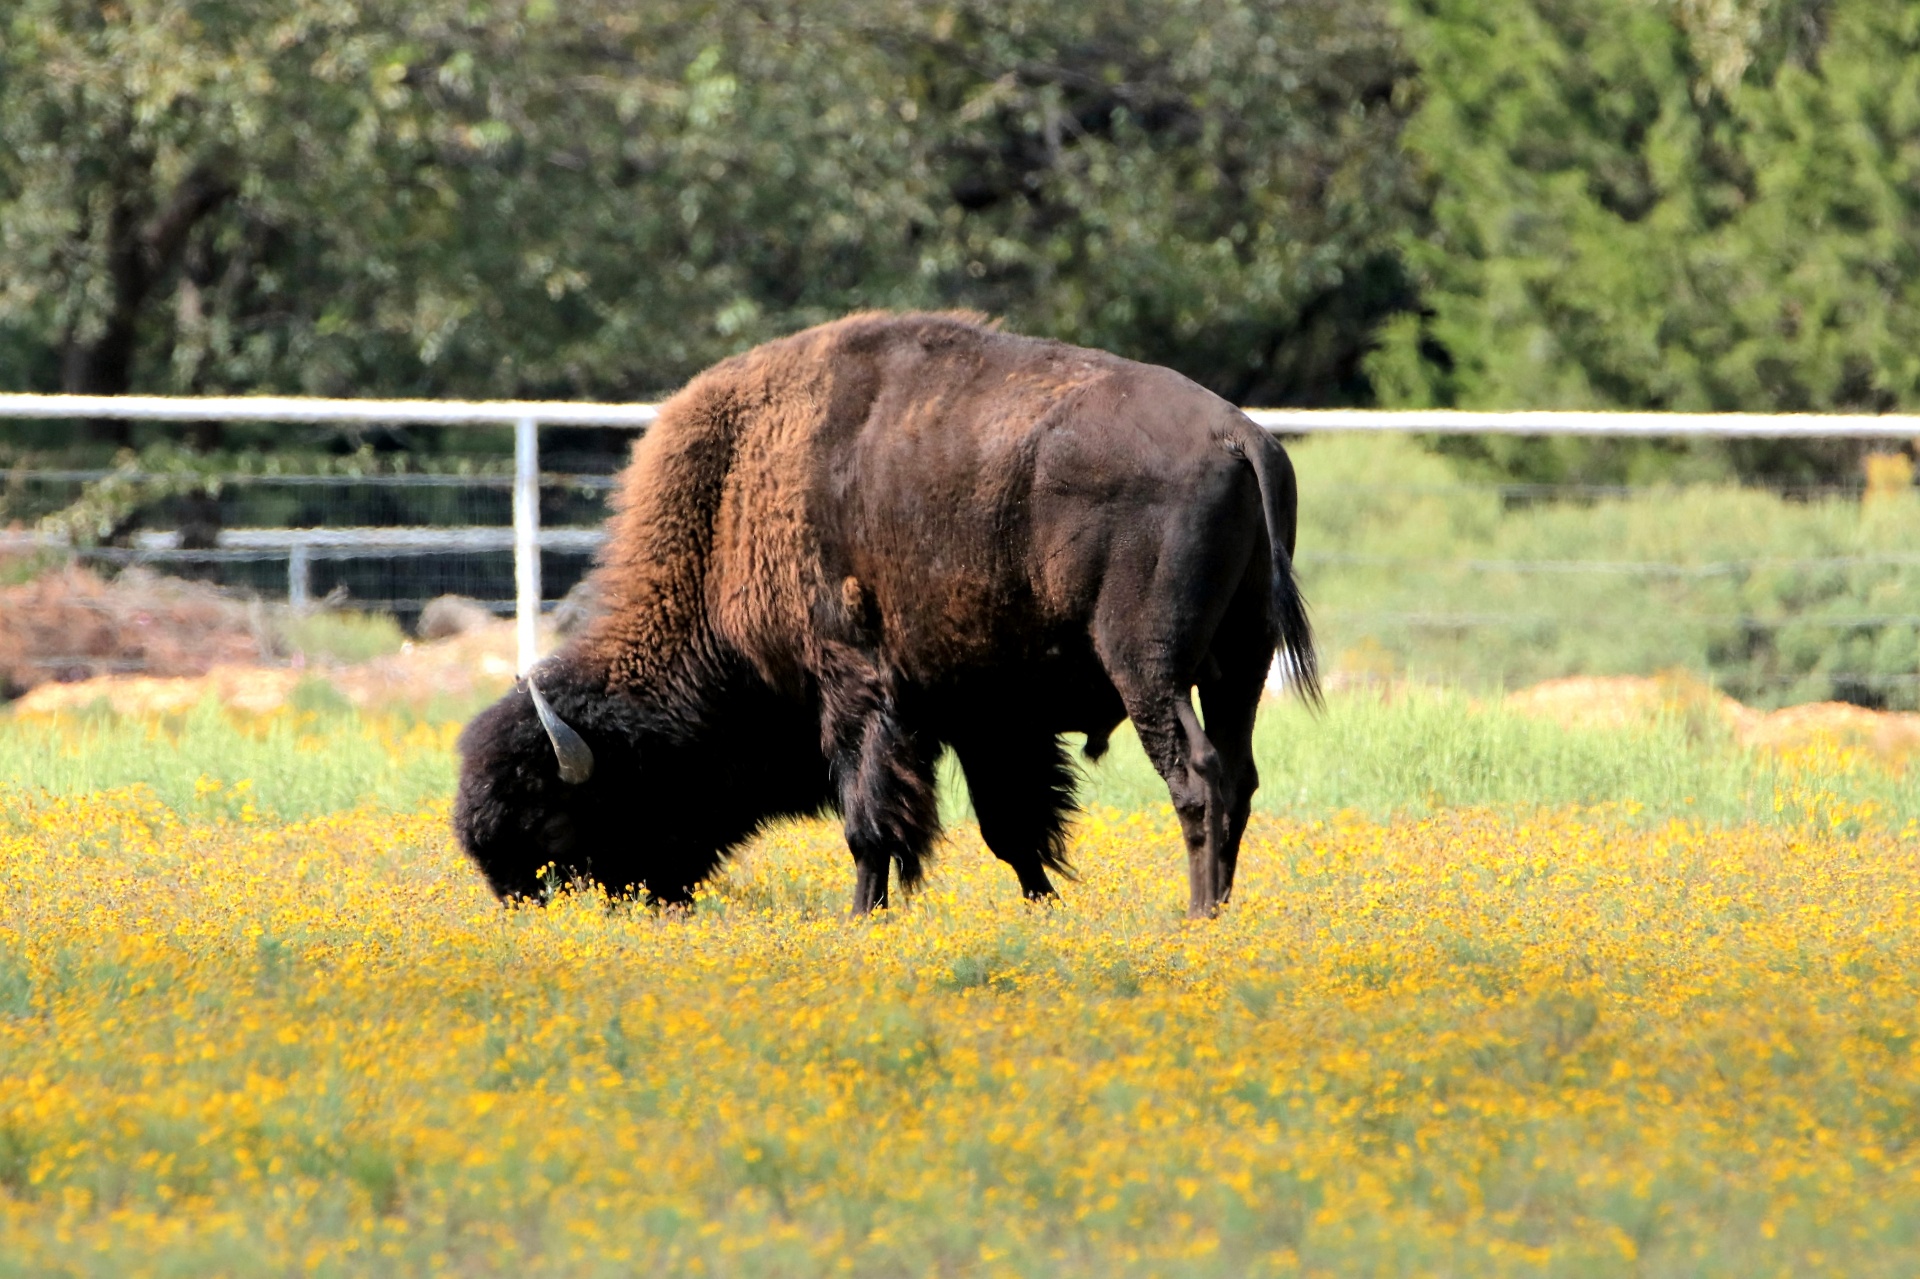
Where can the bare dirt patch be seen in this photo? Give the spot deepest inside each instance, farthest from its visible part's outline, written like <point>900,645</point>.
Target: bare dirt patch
<point>473,665</point>
<point>1618,701</point>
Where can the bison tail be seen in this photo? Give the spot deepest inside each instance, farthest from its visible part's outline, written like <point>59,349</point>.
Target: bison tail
<point>1279,500</point>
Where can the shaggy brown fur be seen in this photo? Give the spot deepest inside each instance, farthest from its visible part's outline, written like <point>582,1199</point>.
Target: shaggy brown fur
<point>841,552</point>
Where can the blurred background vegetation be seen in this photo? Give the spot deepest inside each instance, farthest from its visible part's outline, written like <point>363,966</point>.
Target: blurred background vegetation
<point>1481,204</point>
<point>1778,599</point>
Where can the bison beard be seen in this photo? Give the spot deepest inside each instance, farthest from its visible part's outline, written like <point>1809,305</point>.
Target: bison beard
<point>844,551</point>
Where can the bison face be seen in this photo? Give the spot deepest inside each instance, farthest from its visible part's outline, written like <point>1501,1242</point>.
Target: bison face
<point>529,803</point>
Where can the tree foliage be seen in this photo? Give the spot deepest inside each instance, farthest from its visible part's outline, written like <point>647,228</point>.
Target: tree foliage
<point>598,199</point>
<point>1701,205</point>
<point>1685,204</point>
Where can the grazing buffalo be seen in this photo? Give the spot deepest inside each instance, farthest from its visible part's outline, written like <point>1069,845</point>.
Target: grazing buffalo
<point>844,551</point>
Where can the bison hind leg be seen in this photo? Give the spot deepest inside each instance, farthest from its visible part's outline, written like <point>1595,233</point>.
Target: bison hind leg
<point>1024,788</point>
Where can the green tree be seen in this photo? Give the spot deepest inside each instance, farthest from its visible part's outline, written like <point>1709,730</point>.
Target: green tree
<point>599,199</point>
<point>1212,186</point>
<point>1699,205</point>
<point>125,134</point>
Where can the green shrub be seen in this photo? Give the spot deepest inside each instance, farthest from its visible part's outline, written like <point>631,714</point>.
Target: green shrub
<point>1413,572</point>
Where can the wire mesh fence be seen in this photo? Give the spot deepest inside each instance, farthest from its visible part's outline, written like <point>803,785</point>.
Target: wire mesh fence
<point>1784,593</point>
<point>330,537</point>
<point>1767,627</point>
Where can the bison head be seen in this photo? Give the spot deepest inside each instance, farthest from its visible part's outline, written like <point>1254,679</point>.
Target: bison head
<point>528,799</point>
<point>565,778</point>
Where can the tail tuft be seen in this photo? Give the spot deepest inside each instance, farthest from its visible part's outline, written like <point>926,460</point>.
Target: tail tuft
<point>1292,629</point>
<point>1294,632</point>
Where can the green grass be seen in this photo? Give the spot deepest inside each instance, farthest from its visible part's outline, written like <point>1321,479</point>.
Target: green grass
<point>320,759</point>
<point>1428,750</point>
<point>1418,753</point>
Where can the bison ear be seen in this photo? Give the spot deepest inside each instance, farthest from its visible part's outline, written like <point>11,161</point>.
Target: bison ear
<point>575,756</point>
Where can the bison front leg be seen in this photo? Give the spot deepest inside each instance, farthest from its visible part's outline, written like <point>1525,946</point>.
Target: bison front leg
<point>885,779</point>
<point>871,870</point>
<point>1022,787</point>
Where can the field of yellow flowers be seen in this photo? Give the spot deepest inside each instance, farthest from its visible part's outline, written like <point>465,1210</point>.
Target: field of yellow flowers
<point>1477,1042</point>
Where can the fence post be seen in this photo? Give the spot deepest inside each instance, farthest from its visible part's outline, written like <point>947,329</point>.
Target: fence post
<point>526,540</point>
<point>299,576</point>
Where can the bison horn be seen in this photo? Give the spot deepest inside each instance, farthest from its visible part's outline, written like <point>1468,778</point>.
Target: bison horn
<point>576,757</point>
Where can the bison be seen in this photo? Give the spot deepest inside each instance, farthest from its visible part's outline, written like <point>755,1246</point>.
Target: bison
<point>847,550</point>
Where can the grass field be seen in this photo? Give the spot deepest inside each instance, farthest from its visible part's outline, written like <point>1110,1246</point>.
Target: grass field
<point>241,1034</point>
<point>1419,753</point>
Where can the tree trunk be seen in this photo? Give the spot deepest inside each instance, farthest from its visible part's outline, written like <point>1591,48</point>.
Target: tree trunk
<point>140,254</point>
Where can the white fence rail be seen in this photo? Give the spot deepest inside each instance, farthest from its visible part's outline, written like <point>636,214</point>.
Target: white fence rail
<point>1768,426</point>
<point>526,417</point>
<point>298,409</point>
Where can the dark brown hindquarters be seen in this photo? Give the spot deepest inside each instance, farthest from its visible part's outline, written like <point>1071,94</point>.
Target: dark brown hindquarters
<point>1204,608</point>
